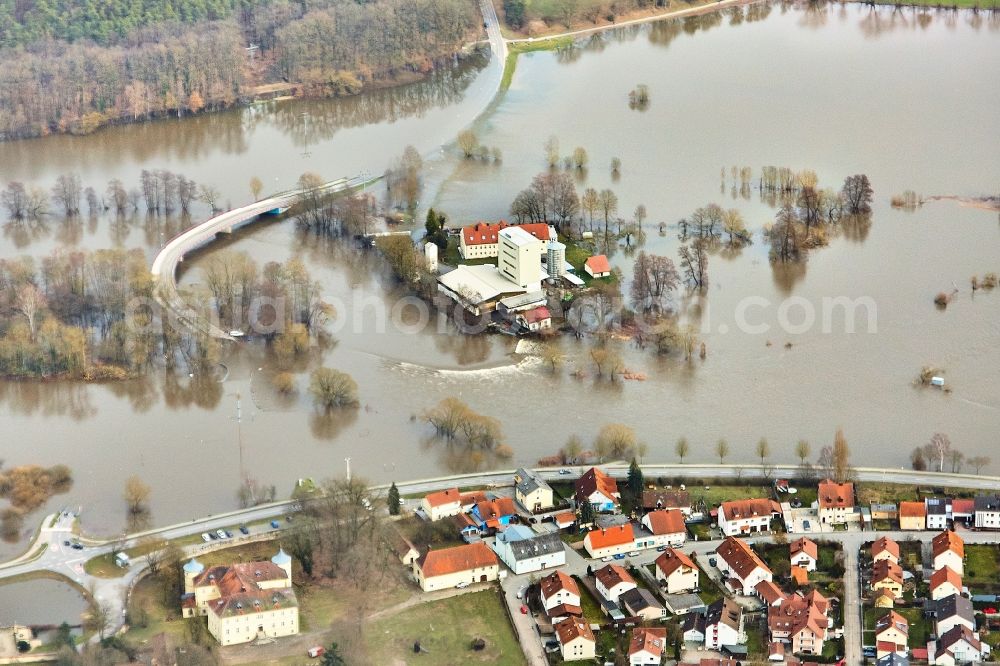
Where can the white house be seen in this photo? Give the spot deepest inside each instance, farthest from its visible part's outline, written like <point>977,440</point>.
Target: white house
<point>938,511</point>
<point>558,589</point>
<point>950,612</point>
<point>885,548</point>
<point>958,646</point>
<point>667,527</point>
<point>612,581</point>
<point>742,568</point>
<point>892,634</point>
<point>531,490</point>
<point>576,640</point>
<point>598,489</point>
<point>987,508</point>
<point>948,550</point>
<point>676,572</point>
<point>723,624</point>
<point>836,502</point>
<point>597,266</point>
<point>647,645</point>
<point>524,551</point>
<point>610,540</point>
<point>945,582</point>
<point>804,553</point>
<point>747,516</point>
<point>442,504</point>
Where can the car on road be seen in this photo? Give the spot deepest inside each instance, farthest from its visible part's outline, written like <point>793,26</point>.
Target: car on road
<point>634,553</point>
<point>213,536</point>
<point>77,546</point>
<point>229,535</point>
<point>205,537</point>
<point>564,471</point>
<point>221,534</point>
<point>274,524</point>
<point>66,542</point>
<point>712,561</point>
<point>524,609</point>
<point>244,530</point>
<point>607,558</point>
<point>520,593</point>
<point>619,556</point>
<point>462,585</point>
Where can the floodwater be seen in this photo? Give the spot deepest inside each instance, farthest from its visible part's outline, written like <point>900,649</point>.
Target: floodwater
<point>840,90</point>
<point>40,602</point>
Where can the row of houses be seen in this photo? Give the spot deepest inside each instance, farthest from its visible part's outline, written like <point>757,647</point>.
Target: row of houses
<point>940,513</point>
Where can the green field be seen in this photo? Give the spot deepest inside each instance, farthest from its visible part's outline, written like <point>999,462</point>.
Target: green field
<point>982,566</point>
<point>517,48</point>
<point>920,627</point>
<point>446,629</point>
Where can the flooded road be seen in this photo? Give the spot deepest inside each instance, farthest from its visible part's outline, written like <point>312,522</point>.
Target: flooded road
<point>839,90</point>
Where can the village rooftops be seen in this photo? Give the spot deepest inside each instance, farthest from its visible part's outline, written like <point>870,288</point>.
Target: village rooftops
<point>611,536</point>
<point>769,592</point>
<point>834,495</point>
<point>484,233</point>
<point>892,619</point>
<point>611,575</point>
<point>671,560</point>
<point>525,544</point>
<point>798,612</point>
<point>912,510</point>
<point>885,545</point>
<point>442,497</point>
<point>556,582</point>
<point>444,561</point>
<point>598,264</point>
<point>946,575</point>
<point>528,481</point>
<point>666,521</point>
<point>987,503</point>
<point>572,628</point>
<point>740,557</point>
<point>958,633</point>
<point>887,569</point>
<point>954,605</point>
<point>948,541</point>
<point>239,578</point>
<point>724,611</point>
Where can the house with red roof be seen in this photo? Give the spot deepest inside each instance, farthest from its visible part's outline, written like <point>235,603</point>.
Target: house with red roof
<point>742,567</point>
<point>598,489</point>
<point>597,266</point>
<point>605,541</point>
<point>747,516</point>
<point>912,516</point>
<point>885,548</point>
<point>576,640</point>
<point>667,527</point>
<point>801,622</point>
<point>647,645</point>
<point>836,502</point>
<point>443,568</point>
<point>481,240</point>
<point>536,319</point>
<point>892,635</point>
<point>560,596</point>
<point>441,504</point>
<point>676,572</point>
<point>945,582</point>
<point>803,553</point>
<point>612,581</point>
<point>948,550</point>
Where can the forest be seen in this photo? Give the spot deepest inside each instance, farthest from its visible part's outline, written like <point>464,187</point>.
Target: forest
<point>77,66</point>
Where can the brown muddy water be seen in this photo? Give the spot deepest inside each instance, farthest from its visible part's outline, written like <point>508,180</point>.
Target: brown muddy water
<point>908,98</point>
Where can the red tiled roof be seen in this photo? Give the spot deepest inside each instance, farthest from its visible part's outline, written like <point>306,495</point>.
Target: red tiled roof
<point>611,575</point>
<point>888,646</point>
<point>963,506</point>
<point>890,620</point>
<point>671,560</point>
<point>538,314</point>
<point>946,575</point>
<point>800,575</point>
<point>496,508</point>
<point>565,518</point>
<point>749,508</point>
<point>834,495</point>
<point>651,639</point>
<point>804,545</point>
<point>443,497</point>
<point>740,558</point>
<point>556,582</point>
<point>666,521</point>
<point>769,592</point>
<point>458,558</point>
<point>666,499</point>
<point>237,578</point>
<point>948,541</point>
<point>797,613</point>
<point>886,569</point>
<point>592,481</point>
<point>610,536</point>
<point>912,510</point>
<point>572,628</point>
<point>887,545</point>
<point>484,233</point>
<point>598,264</point>
<point>563,610</point>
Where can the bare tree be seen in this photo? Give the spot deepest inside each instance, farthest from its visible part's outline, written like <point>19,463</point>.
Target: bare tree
<point>722,450</point>
<point>763,450</point>
<point>857,194</point>
<point>552,151</point>
<point>467,141</point>
<point>841,458</point>
<point>29,301</point>
<point>66,193</point>
<point>210,196</point>
<point>256,187</point>
<point>979,462</point>
<point>802,451</point>
<point>682,448</point>
<point>940,446</point>
<point>15,200</point>
<point>136,494</point>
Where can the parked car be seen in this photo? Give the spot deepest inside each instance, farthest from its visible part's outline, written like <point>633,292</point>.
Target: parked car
<point>229,535</point>
<point>660,549</point>
<point>634,553</point>
<point>274,524</point>
<point>77,546</point>
<point>213,536</point>
<point>565,471</point>
<point>712,561</point>
<point>462,585</point>
<point>520,593</point>
<point>620,556</point>
<point>315,652</point>
<point>221,534</point>
<point>205,537</point>
<point>244,530</point>
<point>607,558</point>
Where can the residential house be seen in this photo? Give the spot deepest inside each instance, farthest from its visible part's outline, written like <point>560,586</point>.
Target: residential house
<point>963,510</point>
<point>439,569</point>
<point>667,499</point>
<point>243,602</point>
<point>912,516</point>
<point>885,598</point>
<point>747,516</point>
<point>949,612</point>
<point>723,624</point>
<point>800,621</point>
<point>404,549</point>
<point>959,645</point>
<point>987,512</point>
<point>804,553</point>
<point>481,240</point>
<point>597,488</point>
<point>769,593</point>
<point>612,580</point>
<point>564,520</point>
<point>836,502</point>
<point>693,628</point>
<point>535,319</point>
<point>892,633</point>
<point>494,514</point>
<point>893,659</point>
<point>888,575</point>
<point>948,550</point>
<point>884,511</point>
<point>741,566</point>
<point>667,527</point>
<point>885,548</point>
<point>532,491</point>
<point>576,640</point>
<point>647,646</point>
<point>640,602</point>
<point>676,572</point>
<point>945,582</point>
<point>442,504</point>
<point>524,550</point>
<point>938,512</point>
<point>560,596</point>
<point>597,266</point>
<point>610,540</point>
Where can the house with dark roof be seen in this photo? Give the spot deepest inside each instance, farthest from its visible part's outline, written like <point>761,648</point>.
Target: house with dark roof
<point>560,596</point>
<point>524,550</point>
<point>653,500</point>
<point>958,645</point>
<point>893,659</point>
<point>598,489</point>
<point>949,612</point>
<point>612,581</point>
<point>640,602</point>
<point>531,490</point>
<point>724,624</point>
<point>938,512</point>
<point>987,512</point>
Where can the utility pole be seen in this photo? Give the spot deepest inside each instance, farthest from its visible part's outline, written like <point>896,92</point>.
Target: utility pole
<point>348,461</point>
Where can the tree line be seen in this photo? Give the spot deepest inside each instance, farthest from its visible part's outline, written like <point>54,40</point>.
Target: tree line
<point>73,67</point>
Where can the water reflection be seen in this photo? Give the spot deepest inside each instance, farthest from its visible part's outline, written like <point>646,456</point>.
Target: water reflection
<point>58,398</point>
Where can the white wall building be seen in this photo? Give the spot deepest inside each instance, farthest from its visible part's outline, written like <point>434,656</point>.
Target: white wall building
<point>524,551</point>
<point>520,258</point>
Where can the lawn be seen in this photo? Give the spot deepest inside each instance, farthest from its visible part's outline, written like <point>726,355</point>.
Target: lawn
<point>715,495</point>
<point>982,566</point>
<point>452,257</point>
<point>103,566</point>
<point>592,611</point>
<point>445,630</point>
<point>910,556</point>
<point>920,627</point>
